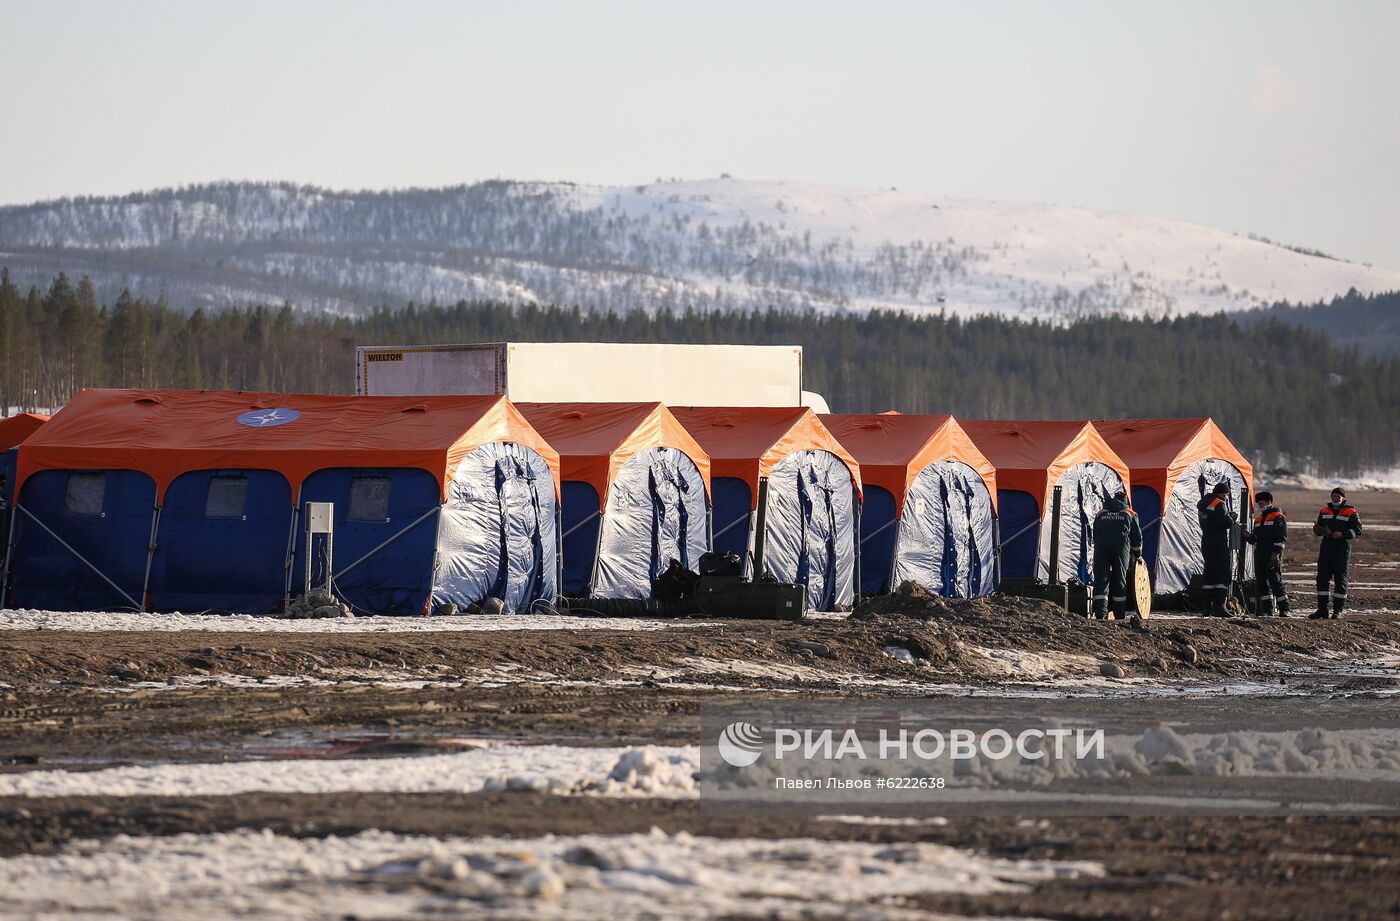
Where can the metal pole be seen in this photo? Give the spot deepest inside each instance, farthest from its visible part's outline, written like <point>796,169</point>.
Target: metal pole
<point>856,507</point>
<point>1055,535</point>
<point>150,554</point>
<point>291,557</point>
<point>9,552</point>
<point>579,524</point>
<point>726,528</point>
<point>760,522</point>
<point>82,559</point>
<point>1240,558</point>
<point>410,526</point>
<point>306,565</point>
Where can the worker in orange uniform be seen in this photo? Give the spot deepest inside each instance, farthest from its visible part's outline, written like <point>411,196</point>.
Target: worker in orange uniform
<point>1269,537</point>
<point>1338,525</point>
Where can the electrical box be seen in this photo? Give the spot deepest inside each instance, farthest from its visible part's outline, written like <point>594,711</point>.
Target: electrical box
<point>320,517</point>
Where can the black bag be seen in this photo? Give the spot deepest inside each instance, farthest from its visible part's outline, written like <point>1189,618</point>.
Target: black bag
<point>675,583</point>
<point>716,563</point>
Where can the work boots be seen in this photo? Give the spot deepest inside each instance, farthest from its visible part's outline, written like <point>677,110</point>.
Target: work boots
<point>1337,605</point>
<point>1321,612</point>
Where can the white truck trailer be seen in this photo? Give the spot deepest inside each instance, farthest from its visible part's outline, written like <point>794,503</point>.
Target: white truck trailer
<point>550,372</point>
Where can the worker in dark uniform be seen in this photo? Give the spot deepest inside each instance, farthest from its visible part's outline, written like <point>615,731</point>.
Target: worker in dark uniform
<point>1269,537</point>
<point>1338,525</point>
<point>1217,521</point>
<point>1117,539</point>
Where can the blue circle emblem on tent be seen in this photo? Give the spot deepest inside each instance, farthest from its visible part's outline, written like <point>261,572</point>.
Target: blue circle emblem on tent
<point>268,418</point>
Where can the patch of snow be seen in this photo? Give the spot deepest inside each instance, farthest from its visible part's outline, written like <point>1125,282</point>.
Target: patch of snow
<point>259,875</point>
<point>899,653</point>
<point>639,771</point>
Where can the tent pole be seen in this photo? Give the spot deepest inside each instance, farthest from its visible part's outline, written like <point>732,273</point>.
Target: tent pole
<point>856,509</point>
<point>996,554</point>
<point>579,525</point>
<point>410,526</point>
<point>9,552</point>
<point>880,530</point>
<point>82,559</point>
<point>894,555</point>
<point>737,521</point>
<point>1055,535</point>
<point>150,555</point>
<point>597,553</point>
<point>290,555</point>
<point>760,522</point>
<point>558,548</point>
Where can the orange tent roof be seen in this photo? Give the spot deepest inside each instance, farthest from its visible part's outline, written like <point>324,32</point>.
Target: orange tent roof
<point>594,440</point>
<point>18,427</point>
<point>1158,451</point>
<point>165,433</point>
<point>747,442</point>
<point>892,449</point>
<point>1031,455</point>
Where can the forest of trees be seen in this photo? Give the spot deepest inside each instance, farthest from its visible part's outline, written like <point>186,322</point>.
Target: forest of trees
<point>1371,322</point>
<point>1284,394</point>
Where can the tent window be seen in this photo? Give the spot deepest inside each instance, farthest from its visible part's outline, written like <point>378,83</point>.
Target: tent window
<point>84,494</point>
<point>227,497</point>
<point>369,498</point>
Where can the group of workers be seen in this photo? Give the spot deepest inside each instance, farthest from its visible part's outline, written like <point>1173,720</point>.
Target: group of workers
<point>1118,546</point>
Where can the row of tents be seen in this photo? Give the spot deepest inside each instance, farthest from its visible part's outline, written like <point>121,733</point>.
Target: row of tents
<point>183,500</point>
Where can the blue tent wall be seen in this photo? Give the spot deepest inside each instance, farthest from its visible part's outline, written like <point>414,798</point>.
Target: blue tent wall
<point>44,574</point>
<point>877,538</point>
<point>223,564</point>
<point>398,578</point>
<point>731,508</point>
<point>1020,533</point>
<point>580,515</point>
<point>1148,504</point>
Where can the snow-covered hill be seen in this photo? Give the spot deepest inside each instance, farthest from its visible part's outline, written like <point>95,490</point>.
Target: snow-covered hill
<point>704,244</point>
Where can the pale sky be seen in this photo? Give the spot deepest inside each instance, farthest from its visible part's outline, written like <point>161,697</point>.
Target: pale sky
<point>1277,118</point>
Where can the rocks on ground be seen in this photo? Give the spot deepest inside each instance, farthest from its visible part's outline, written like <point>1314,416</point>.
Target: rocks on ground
<point>318,604</point>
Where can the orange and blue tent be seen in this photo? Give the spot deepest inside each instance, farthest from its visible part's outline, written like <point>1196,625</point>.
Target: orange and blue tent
<point>13,430</point>
<point>1031,459</point>
<point>191,500</point>
<point>634,489</point>
<point>1174,462</point>
<point>785,492</point>
<point>929,509</point>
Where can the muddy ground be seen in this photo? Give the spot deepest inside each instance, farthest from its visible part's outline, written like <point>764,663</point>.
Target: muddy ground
<point>82,700</point>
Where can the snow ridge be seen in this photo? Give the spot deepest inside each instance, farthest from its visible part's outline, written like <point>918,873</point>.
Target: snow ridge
<point>704,244</point>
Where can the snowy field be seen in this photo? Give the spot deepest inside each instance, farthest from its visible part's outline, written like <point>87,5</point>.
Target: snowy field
<point>251,874</point>
<point>673,772</point>
<point>642,771</point>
